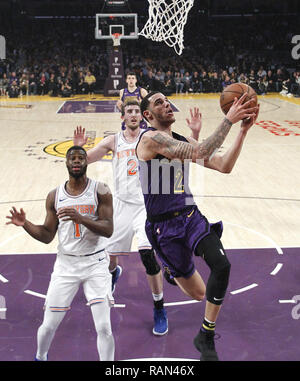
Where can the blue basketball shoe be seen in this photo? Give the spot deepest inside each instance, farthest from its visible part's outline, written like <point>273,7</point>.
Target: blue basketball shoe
<point>160,322</point>
<point>115,276</point>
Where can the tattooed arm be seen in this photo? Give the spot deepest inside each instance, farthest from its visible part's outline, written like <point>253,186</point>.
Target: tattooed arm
<point>165,145</point>
<point>159,142</point>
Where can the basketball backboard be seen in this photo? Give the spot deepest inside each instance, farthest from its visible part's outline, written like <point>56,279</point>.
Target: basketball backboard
<point>124,24</point>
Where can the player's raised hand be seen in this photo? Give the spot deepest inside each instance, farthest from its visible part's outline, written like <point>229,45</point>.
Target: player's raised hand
<point>240,110</point>
<point>16,218</point>
<point>79,137</point>
<point>195,122</point>
<point>248,122</point>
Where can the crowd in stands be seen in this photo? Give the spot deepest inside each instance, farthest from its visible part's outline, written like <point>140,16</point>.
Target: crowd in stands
<point>67,60</point>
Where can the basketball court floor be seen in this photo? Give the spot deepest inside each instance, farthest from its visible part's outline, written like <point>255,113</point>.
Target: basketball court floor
<point>259,204</point>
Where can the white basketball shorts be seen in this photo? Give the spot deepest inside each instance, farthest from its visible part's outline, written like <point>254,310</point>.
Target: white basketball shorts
<point>129,219</point>
<point>70,272</point>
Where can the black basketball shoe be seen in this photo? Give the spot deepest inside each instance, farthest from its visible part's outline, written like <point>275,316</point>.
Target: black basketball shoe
<point>205,344</point>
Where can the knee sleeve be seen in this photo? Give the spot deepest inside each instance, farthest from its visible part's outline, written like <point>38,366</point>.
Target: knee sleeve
<point>213,253</point>
<point>149,261</point>
<point>217,284</point>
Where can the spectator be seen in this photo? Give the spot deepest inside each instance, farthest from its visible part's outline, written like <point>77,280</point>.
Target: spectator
<point>66,88</point>
<point>242,78</point>
<point>24,84</point>
<point>90,82</point>
<point>4,83</point>
<point>226,82</point>
<point>206,82</point>
<point>271,81</point>
<point>13,90</point>
<point>196,82</point>
<point>81,87</point>
<point>53,86</point>
<point>187,83</point>
<point>42,84</point>
<point>32,84</point>
<point>279,78</point>
<point>179,84</point>
<point>169,83</point>
<point>253,82</point>
<point>216,85</point>
<point>295,86</point>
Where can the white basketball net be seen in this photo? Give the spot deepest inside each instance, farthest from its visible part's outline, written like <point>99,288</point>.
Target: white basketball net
<point>166,22</point>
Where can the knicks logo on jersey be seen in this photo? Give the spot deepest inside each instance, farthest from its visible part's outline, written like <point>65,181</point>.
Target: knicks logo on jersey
<point>84,209</point>
<point>126,153</point>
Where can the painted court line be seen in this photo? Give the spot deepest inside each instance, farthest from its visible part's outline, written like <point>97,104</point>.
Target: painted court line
<point>11,238</point>
<point>244,289</point>
<point>29,292</point>
<point>277,268</point>
<point>278,248</point>
<point>287,301</point>
<point>182,303</point>
<point>33,293</point>
<point>3,279</point>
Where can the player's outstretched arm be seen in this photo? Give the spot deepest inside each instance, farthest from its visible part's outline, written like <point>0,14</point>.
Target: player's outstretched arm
<point>104,224</point>
<point>44,233</point>
<point>95,153</point>
<point>119,101</point>
<point>225,163</point>
<point>158,142</point>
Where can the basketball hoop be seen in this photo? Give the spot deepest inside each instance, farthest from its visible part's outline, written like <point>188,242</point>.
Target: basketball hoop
<point>116,39</point>
<point>166,22</point>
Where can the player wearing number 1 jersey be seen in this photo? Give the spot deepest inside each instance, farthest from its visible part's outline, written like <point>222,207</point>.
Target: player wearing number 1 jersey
<point>80,210</point>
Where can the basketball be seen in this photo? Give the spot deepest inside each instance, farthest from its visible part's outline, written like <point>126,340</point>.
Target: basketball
<point>236,90</point>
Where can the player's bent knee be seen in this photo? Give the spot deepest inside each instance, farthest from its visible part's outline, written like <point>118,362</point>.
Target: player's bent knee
<point>199,296</point>
<point>149,261</point>
<point>223,273</point>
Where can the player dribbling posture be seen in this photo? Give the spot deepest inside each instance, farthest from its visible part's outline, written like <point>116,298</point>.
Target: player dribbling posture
<point>81,211</point>
<point>175,227</point>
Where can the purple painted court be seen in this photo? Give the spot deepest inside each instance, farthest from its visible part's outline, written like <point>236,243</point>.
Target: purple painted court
<point>259,320</point>
<point>93,106</point>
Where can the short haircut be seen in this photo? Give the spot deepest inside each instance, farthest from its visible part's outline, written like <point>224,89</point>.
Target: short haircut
<point>145,102</point>
<point>76,148</point>
<point>131,73</point>
<point>129,102</point>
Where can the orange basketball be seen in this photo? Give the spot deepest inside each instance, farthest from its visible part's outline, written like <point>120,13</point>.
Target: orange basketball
<point>236,90</point>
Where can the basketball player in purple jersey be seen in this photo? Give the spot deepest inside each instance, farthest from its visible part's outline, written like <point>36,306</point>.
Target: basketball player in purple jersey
<point>129,201</point>
<point>175,227</point>
<point>134,92</point>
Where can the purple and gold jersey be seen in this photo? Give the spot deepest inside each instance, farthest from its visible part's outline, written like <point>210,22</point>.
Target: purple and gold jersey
<point>136,93</point>
<point>165,183</point>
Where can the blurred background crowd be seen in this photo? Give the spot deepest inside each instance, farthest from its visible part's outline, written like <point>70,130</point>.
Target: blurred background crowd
<point>225,42</point>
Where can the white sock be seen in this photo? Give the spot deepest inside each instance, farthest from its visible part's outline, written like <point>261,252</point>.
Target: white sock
<point>157,297</point>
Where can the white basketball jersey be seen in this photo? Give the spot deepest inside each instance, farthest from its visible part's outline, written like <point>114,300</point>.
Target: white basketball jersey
<point>76,239</point>
<point>127,186</point>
